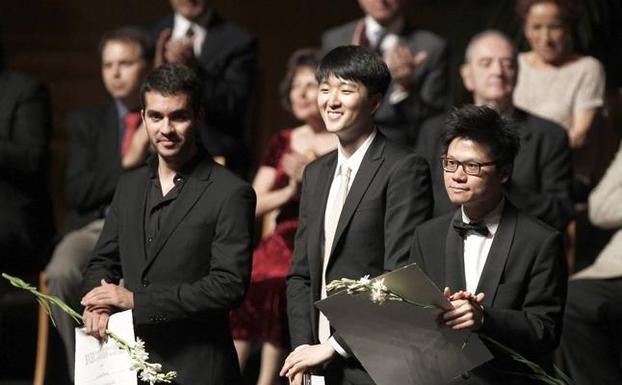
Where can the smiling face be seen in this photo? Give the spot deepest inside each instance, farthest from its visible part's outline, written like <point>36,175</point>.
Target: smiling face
<point>477,193</point>
<point>303,94</point>
<point>346,108</point>
<point>490,73</point>
<point>546,32</point>
<point>123,70</point>
<point>170,124</point>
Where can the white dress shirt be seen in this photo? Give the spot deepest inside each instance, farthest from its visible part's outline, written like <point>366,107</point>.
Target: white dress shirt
<point>477,246</point>
<point>353,162</point>
<point>180,30</point>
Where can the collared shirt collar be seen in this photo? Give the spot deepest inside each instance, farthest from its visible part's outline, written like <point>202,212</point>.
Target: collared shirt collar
<point>181,25</point>
<point>373,30</point>
<point>122,109</point>
<point>354,161</point>
<point>491,220</point>
<point>184,173</point>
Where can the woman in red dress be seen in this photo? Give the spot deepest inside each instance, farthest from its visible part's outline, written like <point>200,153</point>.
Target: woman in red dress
<point>262,315</point>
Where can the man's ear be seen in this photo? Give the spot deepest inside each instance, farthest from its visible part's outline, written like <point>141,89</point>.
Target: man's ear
<point>505,173</point>
<point>377,101</point>
<point>467,77</point>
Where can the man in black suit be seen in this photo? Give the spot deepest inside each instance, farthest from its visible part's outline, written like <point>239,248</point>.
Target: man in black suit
<point>225,57</point>
<point>417,60</point>
<point>542,174</point>
<point>26,220</point>
<point>514,262</point>
<point>104,140</point>
<point>179,232</point>
<point>359,206</point>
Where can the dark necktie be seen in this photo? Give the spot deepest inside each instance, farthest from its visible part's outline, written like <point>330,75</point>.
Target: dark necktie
<point>463,228</point>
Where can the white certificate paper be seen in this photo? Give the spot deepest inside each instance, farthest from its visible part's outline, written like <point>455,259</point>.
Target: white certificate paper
<point>105,364</point>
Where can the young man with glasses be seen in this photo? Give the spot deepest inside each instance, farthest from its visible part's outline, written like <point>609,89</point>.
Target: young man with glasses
<point>503,270</point>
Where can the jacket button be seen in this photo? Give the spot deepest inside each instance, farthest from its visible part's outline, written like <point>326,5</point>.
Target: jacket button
<point>145,283</point>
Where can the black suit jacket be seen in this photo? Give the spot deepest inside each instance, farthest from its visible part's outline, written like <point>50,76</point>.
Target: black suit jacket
<point>227,68</point>
<point>524,282</point>
<point>94,164</point>
<point>429,95</point>
<point>198,270</point>
<point>541,181</point>
<point>389,196</point>
<point>26,221</point>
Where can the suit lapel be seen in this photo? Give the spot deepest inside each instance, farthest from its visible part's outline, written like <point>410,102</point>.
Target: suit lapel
<point>111,135</point>
<point>365,174</point>
<point>454,258</point>
<point>138,216</point>
<point>190,193</point>
<point>212,45</point>
<point>498,255</point>
<point>326,173</point>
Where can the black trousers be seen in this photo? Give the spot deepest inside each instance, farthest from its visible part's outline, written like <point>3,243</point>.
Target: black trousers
<point>592,333</point>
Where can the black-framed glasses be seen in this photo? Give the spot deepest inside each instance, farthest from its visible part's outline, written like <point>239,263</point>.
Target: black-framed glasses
<point>470,167</point>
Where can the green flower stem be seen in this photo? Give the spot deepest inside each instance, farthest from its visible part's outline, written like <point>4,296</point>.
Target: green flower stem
<point>148,372</point>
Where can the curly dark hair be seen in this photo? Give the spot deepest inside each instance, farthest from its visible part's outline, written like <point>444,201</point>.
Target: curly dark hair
<point>568,9</point>
<point>487,127</point>
<point>304,57</point>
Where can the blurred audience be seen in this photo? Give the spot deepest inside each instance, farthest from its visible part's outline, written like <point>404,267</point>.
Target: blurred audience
<point>104,140</point>
<point>225,58</point>
<point>542,173</point>
<point>262,315</point>
<point>26,220</point>
<point>557,83</point>
<point>592,335</point>
<point>417,60</point>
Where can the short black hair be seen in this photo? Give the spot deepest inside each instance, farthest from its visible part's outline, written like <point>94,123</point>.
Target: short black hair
<point>355,63</point>
<point>487,127</point>
<point>301,58</point>
<point>130,35</point>
<point>173,79</point>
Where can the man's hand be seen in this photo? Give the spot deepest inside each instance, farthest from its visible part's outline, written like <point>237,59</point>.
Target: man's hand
<point>109,294</point>
<point>180,51</point>
<point>467,312</point>
<point>303,358</point>
<point>96,321</point>
<point>402,63</point>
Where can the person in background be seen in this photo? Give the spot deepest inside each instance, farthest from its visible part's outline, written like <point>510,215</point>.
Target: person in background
<point>592,335</point>
<point>557,83</point>
<point>417,60</point>
<point>105,140</point>
<point>262,315</point>
<point>225,58</point>
<point>26,218</point>
<point>541,181</point>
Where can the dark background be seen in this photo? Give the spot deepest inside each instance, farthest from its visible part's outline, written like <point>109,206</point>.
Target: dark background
<point>56,41</point>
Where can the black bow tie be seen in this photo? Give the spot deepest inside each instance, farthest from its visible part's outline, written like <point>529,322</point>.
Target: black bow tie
<point>463,228</point>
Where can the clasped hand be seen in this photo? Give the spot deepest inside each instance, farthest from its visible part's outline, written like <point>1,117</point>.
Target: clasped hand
<point>99,303</point>
<point>467,313</point>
